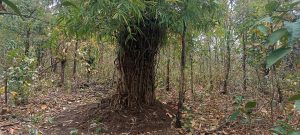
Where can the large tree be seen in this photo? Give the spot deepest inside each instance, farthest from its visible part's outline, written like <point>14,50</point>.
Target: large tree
<point>139,28</point>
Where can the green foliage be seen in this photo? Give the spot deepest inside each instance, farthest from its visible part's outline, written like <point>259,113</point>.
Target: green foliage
<point>108,17</point>
<point>234,116</point>
<point>68,3</point>
<point>276,35</point>
<point>272,6</point>
<point>289,30</point>
<point>12,6</point>
<point>263,29</point>
<point>250,105</point>
<point>297,105</point>
<point>284,128</point>
<point>21,77</point>
<point>277,55</point>
<point>293,29</point>
<point>241,108</point>
<point>295,97</point>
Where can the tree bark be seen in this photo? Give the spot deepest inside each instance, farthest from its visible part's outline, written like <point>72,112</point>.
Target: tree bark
<point>27,41</point>
<point>75,60</point>
<point>62,73</point>
<point>100,60</point>
<point>54,60</point>
<point>5,88</point>
<point>244,38</point>
<point>89,61</point>
<point>168,70</point>
<point>182,79</point>
<point>192,73</point>
<point>63,61</point>
<point>228,62</point>
<point>211,86</point>
<point>136,65</point>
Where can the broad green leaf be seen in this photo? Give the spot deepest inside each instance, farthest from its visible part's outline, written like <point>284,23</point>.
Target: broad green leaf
<point>295,97</point>
<point>279,130</point>
<point>297,105</point>
<point>12,6</point>
<point>277,55</point>
<point>267,19</point>
<point>263,29</point>
<point>293,29</point>
<point>234,116</point>
<point>250,104</point>
<point>276,35</point>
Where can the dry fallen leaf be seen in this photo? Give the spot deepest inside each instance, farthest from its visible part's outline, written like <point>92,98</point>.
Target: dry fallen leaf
<point>11,131</point>
<point>43,107</point>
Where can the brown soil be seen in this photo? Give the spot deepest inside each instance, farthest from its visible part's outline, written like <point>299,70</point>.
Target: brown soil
<point>101,119</point>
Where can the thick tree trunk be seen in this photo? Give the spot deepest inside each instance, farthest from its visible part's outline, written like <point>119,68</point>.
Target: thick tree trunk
<point>136,65</point>
<point>178,123</point>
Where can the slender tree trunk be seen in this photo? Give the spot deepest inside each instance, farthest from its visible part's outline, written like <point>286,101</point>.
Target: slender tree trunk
<point>27,42</point>
<point>168,70</point>
<point>75,60</point>
<point>182,78</point>
<point>201,65</point>
<point>54,60</point>
<point>280,95</point>
<point>63,62</point>
<point>5,88</point>
<point>228,62</point>
<point>39,55</point>
<point>62,73</point>
<point>101,53</point>
<point>244,62</point>
<point>192,73</point>
<point>88,74</point>
<point>211,86</point>
<point>90,62</point>
<point>53,64</point>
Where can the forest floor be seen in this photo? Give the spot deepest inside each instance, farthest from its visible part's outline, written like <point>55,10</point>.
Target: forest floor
<point>60,112</point>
